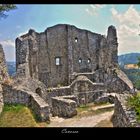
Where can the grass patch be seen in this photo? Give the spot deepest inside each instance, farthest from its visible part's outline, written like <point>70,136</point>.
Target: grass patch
<point>18,116</point>
<point>102,103</point>
<point>87,110</point>
<point>134,102</point>
<point>89,106</point>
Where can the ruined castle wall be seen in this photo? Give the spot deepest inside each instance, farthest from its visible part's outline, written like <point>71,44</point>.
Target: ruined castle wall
<point>33,53</point>
<point>36,54</point>
<point>64,107</point>
<point>103,57</point>
<point>33,100</point>
<point>86,90</point>
<point>123,115</point>
<point>39,53</point>
<point>112,46</point>
<point>40,107</point>
<point>57,48</point>
<point>3,68</point>
<point>4,76</point>
<point>44,69</point>
<point>84,48</point>
<point>32,85</point>
<point>117,81</point>
<point>22,55</point>
<point>15,96</point>
<point>60,91</point>
<point>79,51</point>
<point>1,102</point>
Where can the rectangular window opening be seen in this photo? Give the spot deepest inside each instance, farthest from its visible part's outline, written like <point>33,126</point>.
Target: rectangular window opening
<point>57,61</point>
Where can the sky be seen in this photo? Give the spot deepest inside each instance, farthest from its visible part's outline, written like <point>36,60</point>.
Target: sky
<point>94,17</point>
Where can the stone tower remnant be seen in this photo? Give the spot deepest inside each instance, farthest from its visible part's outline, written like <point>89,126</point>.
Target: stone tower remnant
<point>62,52</point>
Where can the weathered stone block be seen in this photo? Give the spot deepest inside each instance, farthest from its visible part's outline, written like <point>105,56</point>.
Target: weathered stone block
<point>63,107</point>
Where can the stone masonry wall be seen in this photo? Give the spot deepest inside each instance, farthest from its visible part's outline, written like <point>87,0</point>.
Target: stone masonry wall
<point>39,107</point>
<point>33,100</point>
<point>4,76</point>
<point>63,106</point>
<point>123,116</point>
<point>78,51</point>
<point>32,85</point>
<point>53,92</point>
<point>1,102</point>
<point>86,90</point>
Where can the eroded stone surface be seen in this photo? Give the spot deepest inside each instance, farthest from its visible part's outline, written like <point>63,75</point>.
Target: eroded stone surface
<point>77,52</point>
<point>4,76</point>
<point>65,61</point>
<point>123,116</point>
<point>64,106</point>
<point>14,95</point>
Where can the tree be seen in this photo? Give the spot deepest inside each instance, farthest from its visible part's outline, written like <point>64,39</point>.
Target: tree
<point>138,64</point>
<point>5,8</point>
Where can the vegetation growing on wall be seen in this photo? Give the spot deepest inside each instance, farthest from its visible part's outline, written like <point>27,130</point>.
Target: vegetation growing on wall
<point>134,102</point>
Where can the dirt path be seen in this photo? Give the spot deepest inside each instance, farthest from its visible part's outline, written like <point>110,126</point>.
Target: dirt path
<point>100,120</point>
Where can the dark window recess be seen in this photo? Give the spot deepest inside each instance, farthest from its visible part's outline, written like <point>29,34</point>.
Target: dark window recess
<point>76,39</point>
<point>38,91</point>
<point>89,61</point>
<point>80,60</point>
<point>57,61</point>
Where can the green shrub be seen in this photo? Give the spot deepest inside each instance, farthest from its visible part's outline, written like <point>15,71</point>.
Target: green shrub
<point>134,102</point>
<point>137,84</point>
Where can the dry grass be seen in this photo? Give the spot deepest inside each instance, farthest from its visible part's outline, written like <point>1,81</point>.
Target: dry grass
<point>22,116</point>
<point>88,110</point>
<point>18,116</point>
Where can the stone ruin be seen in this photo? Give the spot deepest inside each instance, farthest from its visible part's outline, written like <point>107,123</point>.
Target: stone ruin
<point>4,76</point>
<point>64,67</point>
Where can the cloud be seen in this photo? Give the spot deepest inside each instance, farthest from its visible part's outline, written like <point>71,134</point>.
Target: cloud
<point>128,29</point>
<point>9,49</point>
<point>7,43</point>
<point>99,5</point>
<point>89,12</point>
<point>94,9</point>
<point>131,17</point>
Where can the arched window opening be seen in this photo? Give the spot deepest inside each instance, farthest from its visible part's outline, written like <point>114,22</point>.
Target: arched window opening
<point>76,39</point>
<point>80,60</point>
<point>89,61</point>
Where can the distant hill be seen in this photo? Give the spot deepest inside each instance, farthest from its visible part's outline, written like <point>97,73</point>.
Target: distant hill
<point>11,67</point>
<point>131,58</point>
